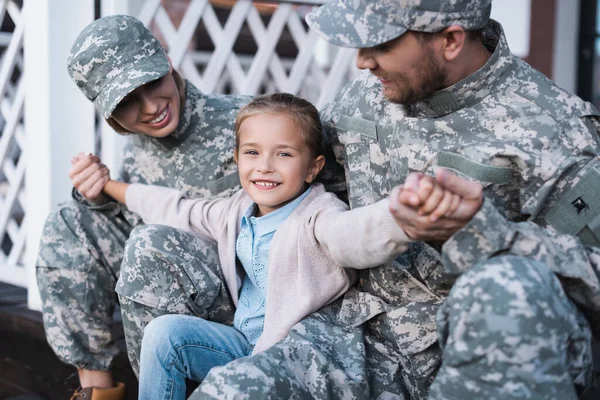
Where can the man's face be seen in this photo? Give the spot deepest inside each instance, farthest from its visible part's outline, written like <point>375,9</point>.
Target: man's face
<point>407,67</point>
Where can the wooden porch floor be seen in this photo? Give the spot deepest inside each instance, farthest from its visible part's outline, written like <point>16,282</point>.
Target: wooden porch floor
<point>29,369</point>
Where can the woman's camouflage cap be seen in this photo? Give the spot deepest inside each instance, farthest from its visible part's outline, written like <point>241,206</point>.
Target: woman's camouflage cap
<point>368,23</point>
<point>112,57</point>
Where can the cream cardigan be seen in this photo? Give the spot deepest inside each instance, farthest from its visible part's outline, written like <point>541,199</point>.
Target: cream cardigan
<point>309,254</point>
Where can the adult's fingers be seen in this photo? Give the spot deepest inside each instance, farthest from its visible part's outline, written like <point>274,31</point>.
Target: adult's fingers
<point>97,188</point>
<point>443,207</point>
<point>456,199</point>
<point>79,179</point>
<point>82,163</point>
<point>77,157</point>
<point>433,200</point>
<point>465,188</point>
<point>426,189</point>
<point>89,188</point>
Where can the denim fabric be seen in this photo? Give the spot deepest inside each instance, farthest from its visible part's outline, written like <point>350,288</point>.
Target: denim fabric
<point>176,347</point>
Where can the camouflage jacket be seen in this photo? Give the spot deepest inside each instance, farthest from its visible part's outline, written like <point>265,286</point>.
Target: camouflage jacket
<point>197,158</point>
<point>533,146</point>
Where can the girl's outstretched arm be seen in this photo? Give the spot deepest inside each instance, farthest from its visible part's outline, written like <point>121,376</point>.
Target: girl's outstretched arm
<point>116,190</point>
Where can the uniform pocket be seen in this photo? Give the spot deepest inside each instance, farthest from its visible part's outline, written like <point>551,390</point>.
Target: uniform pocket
<point>358,169</point>
<point>480,172</point>
<point>367,165</point>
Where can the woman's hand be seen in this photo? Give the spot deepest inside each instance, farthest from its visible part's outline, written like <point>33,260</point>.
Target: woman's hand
<point>89,176</point>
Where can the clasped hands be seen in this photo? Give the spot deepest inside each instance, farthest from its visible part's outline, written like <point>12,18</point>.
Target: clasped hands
<point>429,209</point>
<point>432,209</point>
<point>88,175</point>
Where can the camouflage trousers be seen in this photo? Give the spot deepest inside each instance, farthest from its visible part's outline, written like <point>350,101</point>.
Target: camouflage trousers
<point>506,330</point>
<point>168,271</point>
<point>77,268</point>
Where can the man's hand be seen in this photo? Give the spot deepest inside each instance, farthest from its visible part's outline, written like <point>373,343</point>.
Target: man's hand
<point>433,211</point>
<point>428,197</point>
<point>89,176</point>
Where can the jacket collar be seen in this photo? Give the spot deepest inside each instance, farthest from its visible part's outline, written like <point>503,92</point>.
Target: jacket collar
<point>476,86</point>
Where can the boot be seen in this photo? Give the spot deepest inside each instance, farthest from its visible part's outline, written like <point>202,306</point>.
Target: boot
<point>94,393</point>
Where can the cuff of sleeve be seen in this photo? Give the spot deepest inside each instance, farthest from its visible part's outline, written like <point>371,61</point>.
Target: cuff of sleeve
<point>388,227</point>
<point>485,235</point>
<point>107,206</point>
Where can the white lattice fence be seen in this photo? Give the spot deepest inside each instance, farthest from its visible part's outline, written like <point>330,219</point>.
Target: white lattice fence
<point>12,146</point>
<point>311,68</point>
<point>317,71</point>
<point>59,123</point>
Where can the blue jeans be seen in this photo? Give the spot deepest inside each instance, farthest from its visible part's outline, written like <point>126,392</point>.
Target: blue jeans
<point>176,347</point>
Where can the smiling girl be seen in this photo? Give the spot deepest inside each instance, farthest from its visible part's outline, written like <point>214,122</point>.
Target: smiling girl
<point>290,238</point>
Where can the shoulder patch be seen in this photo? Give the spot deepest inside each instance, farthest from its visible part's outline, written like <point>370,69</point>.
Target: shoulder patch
<point>577,212</point>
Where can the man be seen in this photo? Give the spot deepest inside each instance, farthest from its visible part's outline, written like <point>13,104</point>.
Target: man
<point>496,302</point>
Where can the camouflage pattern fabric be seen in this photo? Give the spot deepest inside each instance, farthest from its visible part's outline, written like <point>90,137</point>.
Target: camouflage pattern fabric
<point>530,144</point>
<point>82,246</point>
<point>367,23</point>
<point>167,271</point>
<point>506,327</point>
<point>113,56</point>
<point>77,269</point>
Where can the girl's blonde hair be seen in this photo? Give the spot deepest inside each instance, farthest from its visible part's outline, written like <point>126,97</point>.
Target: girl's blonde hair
<point>302,113</point>
<point>179,82</point>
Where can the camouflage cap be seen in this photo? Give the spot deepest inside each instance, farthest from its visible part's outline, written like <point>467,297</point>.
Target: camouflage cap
<point>367,23</point>
<point>112,57</point>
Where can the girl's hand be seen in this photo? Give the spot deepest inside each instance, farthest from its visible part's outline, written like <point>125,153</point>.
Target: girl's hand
<point>89,176</point>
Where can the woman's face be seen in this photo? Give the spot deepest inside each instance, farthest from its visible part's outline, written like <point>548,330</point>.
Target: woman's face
<point>152,109</point>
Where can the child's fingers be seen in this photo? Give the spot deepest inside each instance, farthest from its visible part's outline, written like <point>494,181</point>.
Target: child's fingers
<point>435,197</point>
<point>412,181</point>
<point>443,207</point>
<point>456,199</point>
<point>408,198</point>
<point>426,187</point>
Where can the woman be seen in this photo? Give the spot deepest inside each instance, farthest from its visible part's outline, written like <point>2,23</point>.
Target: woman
<point>179,138</point>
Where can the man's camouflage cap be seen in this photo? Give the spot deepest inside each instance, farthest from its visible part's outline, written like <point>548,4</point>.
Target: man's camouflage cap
<point>112,57</point>
<point>367,23</point>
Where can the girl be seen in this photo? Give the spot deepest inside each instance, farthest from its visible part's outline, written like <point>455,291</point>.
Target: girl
<point>283,244</point>
<point>178,137</point>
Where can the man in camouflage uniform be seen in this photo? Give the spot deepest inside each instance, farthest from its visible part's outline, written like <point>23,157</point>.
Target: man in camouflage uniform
<point>83,242</point>
<point>502,307</point>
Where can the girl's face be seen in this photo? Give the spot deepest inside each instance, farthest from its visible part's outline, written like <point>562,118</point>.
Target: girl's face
<point>274,161</point>
<point>152,109</point>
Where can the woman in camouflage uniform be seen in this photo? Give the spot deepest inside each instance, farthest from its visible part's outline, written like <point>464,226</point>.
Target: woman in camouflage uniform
<point>184,139</point>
